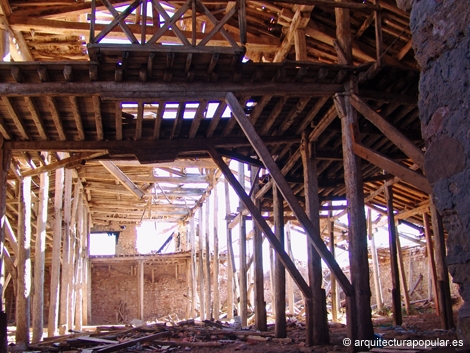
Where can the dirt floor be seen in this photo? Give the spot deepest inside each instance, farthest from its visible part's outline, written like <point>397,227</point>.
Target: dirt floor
<point>422,324</point>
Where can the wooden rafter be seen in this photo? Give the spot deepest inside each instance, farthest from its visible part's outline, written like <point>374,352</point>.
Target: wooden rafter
<point>122,178</point>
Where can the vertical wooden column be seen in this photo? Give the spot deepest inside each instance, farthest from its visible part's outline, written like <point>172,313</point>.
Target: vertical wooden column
<point>230,263</point>
<point>279,269</point>
<point>40,257</point>
<point>316,315</point>
<point>242,243</point>
<point>445,303</point>
<point>431,262</point>
<point>85,264</point>
<point>192,230</point>
<point>23,298</point>
<point>87,284</point>
<point>333,292</point>
<point>140,283</point>
<point>5,156</point>
<point>56,244</point>
<point>401,269</point>
<point>260,305</point>
<point>66,255</point>
<point>207,259</point>
<point>73,266</point>
<point>200,269</point>
<point>360,320</point>
<point>392,239</point>
<point>272,264</point>
<point>375,262</point>
<point>289,281</point>
<point>215,203</point>
<point>79,269</point>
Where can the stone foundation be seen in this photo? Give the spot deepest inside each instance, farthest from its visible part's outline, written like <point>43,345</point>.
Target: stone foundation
<point>441,40</point>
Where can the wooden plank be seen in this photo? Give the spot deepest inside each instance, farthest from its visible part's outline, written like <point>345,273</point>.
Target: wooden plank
<point>395,135</point>
<point>407,175</point>
<point>200,114</point>
<point>158,120</point>
<point>375,262</point>
<point>5,159</point>
<point>200,268</point>
<point>288,194</point>
<point>130,343</point>
<point>139,121</point>
<point>242,267</point>
<point>39,258</point>
<point>118,118</point>
<point>401,269</point>
<point>273,116</point>
<point>122,178</point>
<point>140,290</point>
<point>207,260</point>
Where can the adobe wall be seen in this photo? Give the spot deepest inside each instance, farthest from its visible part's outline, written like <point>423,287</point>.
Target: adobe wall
<point>441,40</point>
<point>115,289</point>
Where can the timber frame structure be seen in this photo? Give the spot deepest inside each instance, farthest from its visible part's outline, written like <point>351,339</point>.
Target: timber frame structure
<point>320,94</point>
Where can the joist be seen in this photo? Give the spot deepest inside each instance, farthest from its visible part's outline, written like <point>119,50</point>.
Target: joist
<point>123,178</point>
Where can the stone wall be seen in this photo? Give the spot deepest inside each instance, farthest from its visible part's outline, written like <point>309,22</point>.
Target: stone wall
<point>441,40</point>
<point>115,289</point>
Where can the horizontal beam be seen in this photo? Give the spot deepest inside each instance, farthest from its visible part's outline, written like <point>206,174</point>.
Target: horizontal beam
<point>126,147</point>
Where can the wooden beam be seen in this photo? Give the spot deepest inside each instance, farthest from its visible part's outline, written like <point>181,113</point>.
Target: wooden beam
<point>242,267</point>
<point>77,117</point>
<point>395,135</point>
<point>122,178</point>
<point>417,180</point>
<point>53,107</point>
<point>287,262</point>
<point>16,118</point>
<point>214,211</point>
<point>431,262</point>
<point>288,194</point>
<point>200,114</point>
<point>98,117</point>
<point>35,115</point>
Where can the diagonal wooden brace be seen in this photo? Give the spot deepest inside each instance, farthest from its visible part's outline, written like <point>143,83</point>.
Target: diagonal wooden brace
<point>285,259</point>
<point>287,192</point>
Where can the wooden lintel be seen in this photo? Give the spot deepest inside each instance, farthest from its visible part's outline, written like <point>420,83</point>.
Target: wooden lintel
<point>287,192</point>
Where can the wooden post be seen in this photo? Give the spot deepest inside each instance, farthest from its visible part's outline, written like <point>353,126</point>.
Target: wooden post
<point>279,269</point>
<point>431,262</point>
<point>5,156</point>
<point>85,264</point>
<point>318,334</point>
<point>230,263</point>
<point>140,285</point>
<point>392,239</point>
<point>272,264</point>
<point>66,256</point>
<point>39,257</point>
<point>401,269</point>
<point>73,267</point>
<point>333,293</point>
<point>290,282</point>
<point>445,303</point>
<point>260,304</point>
<point>242,265</point>
<point>200,269</point>
<point>78,322</point>
<point>215,203</point>
<point>56,244</point>
<point>207,260</point>
<point>192,231</point>
<point>375,262</point>
<point>359,327</point>
<point>24,262</point>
